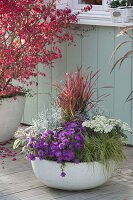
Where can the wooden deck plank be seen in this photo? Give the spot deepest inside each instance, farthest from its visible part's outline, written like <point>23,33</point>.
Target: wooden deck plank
<point>17,182</point>
<point>102,193</point>
<point>9,198</point>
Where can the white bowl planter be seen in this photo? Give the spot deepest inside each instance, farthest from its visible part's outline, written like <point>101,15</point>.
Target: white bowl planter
<point>78,176</point>
<point>120,15</point>
<point>11,112</point>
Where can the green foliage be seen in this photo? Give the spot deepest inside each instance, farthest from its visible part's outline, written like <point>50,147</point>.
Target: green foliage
<point>103,148</point>
<point>117,3</point>
<point>17,143</point>
<point>114,4</point>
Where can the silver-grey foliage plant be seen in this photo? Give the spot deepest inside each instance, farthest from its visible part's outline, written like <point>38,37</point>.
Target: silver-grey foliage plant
<point>49,118</point>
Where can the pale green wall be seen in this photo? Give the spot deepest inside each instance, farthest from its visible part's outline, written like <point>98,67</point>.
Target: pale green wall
<point>94,46</point>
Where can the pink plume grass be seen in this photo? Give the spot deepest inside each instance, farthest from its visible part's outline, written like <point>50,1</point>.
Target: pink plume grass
<point>77,91</point>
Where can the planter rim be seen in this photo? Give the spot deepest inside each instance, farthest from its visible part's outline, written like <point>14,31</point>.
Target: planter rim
<point>21,94</point>
<point>71,163</point>
<point>11,97</point>
<point>121,8</point>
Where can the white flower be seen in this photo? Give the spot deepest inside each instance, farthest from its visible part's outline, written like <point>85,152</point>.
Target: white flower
<point>85,124</point>
<point>105,125</point>
<point>125,127</point>
<point>108,128</point>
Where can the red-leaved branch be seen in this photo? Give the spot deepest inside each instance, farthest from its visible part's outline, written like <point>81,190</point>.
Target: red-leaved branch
<point>30,31</point>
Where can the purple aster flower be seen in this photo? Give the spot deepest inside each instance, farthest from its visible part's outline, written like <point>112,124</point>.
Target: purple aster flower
<point>53,147</point>
<point>69,132</point>
<point>50,132</point>
<point>73,143</point>
<point>78,146</point>
<point>44,134</point>
<point>58,154</point>
<point>61,146</point>
<point>72,124</point>
<point>45,144</point>
<point>77,137</point>
<point>41,154</point>
<point>65,140</point>
<point>31,156</point>
<point>45,152</point>
<point>71,147</point>
<point>31,139</point>
<point>68,155</point>
<point>51,154</point>
<point>30,145</point>
<point>61,134</point>
<point>59,160</point>
<point>63,174</point>
<point>36,145</point>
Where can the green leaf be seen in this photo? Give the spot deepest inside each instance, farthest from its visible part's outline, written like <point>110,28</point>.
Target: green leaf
<point>16,143</point>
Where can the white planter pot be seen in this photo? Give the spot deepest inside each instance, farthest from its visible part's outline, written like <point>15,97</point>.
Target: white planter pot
<point>78,176</point>
<point>11,112</point>
<point>120,15</point>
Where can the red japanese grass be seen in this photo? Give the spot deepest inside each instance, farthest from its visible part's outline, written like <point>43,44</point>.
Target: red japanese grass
<point>77,91</point>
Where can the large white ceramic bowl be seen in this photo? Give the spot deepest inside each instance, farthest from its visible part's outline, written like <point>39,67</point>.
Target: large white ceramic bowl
<point>11,112</point>
<point>78,176</point>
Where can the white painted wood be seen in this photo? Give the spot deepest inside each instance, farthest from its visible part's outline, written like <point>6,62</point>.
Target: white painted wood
<point>122,88</point>
<point>105,38</point>
<point>102,22</point>
<point>59,67</point>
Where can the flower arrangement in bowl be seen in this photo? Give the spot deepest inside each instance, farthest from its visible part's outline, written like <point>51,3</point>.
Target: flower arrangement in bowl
<point>68,147</point>
<point>120,10</point>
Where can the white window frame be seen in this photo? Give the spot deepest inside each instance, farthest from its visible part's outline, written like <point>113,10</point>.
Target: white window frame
<point>76,6</point>
<point>99,15</point>
<point>98,12</point>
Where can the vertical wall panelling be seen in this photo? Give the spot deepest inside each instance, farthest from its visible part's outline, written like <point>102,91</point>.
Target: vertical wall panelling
<point>44,88</point>
<point>105,44</point>
<point>89,50</point>
<point>59,68</point>
<point>31,106</point>
<point>131,136</point>
<point>74,51</point>
<point>89,47</point>
<point>122,83</point>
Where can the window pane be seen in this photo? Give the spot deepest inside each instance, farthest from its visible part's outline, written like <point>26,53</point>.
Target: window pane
<point>93,2</point>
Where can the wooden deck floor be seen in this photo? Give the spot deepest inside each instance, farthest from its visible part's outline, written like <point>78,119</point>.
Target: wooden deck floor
<point>17,182</point>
